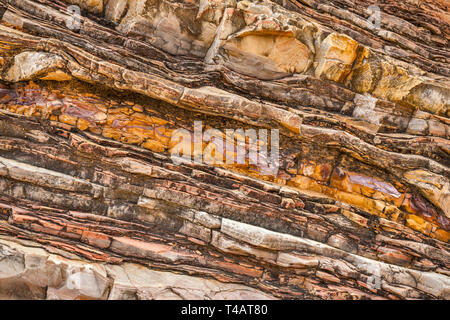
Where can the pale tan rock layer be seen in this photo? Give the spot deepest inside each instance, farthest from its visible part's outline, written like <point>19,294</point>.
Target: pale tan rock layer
<point>86,116</point>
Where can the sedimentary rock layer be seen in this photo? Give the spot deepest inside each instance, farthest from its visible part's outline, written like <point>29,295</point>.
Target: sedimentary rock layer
<point>92,205</point>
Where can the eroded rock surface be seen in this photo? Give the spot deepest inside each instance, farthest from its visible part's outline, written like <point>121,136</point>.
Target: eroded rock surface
<point>92,206</point>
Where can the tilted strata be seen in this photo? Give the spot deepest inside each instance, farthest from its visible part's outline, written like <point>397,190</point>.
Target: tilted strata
<point>359,208</point>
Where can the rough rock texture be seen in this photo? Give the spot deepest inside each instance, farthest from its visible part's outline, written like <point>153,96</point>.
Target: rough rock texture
<point>93,207</point>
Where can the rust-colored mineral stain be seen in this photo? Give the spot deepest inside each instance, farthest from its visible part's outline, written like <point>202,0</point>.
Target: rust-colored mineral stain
<point>444,222</point>
<point>128,124</point>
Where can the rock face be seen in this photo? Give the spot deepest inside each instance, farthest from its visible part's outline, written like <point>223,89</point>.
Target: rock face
<point>96,98</point>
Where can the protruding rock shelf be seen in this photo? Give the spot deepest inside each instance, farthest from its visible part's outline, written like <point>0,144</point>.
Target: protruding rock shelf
<point>93,205</point>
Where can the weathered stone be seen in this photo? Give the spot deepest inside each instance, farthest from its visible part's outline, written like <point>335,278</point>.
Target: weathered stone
<point>435,187</point>
<point>417,126</point>
<point>342,242</point>
<point>207,220</point>
<point>394,256</point>
<point>230,245</point>
<point>196,231</point>
<point>335,57</point>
